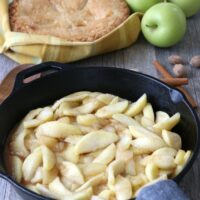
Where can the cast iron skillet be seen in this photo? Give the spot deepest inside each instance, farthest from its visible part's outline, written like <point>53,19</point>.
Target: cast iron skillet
<point>68,79</point>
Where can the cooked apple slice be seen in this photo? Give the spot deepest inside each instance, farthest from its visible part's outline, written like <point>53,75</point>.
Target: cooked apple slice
<point>46,114</point>
<point>49,175</point>
<point>109,110</point>
<point>124,119</point>
<point>77,96</point>
<point>16,169</point>
<point>43,190</point>
<point>148,112</point>
<point>139,132</point>
<point>123,188</point>
<point>106,194</point>
<point>164,161</point>
<point>49,158</point>
<point>151,171</point>
<point>147,144</point>
<point>83,109</point>
<point>172,139</point>
<point>137,107</point>
<point>31,163</point>
<point>166,151</point>
<point>94,181</point>
<point>107,155</point>
<point>95,140</point>
<point>130,167</point>
<point>125,140</point>
<point>57,129</point>
<point>83,195</point>
<point>87,120</point>
<point>73,139</point>
<point>167,124</point>
<point>115,168</point>
<point>105,98</point>
<point>57,187</point>
<point>161,116</point>
<point>146,122</point>
<point>38,176</point>
<point>70,154</point>
<point>72,172</point>
<point>17,146</point>
<point>92,169</point>
<point>47,141</point>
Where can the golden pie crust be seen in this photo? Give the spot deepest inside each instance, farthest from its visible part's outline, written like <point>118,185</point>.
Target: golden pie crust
<point>73,20</point>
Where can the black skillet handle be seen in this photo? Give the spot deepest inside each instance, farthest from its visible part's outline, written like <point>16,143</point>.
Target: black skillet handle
<point>44,68</point>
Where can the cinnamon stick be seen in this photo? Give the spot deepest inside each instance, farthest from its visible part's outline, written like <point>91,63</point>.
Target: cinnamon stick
<point>166,74</point>
<point>162,70</point>
<point>175,81</point>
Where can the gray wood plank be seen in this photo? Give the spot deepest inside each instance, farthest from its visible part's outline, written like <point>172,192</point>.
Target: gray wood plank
<point>5,66</point>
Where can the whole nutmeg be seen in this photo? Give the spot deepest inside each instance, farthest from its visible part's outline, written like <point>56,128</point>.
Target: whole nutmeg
<point>195,61</point>
<point>180,70</point>
<point>175,59</point>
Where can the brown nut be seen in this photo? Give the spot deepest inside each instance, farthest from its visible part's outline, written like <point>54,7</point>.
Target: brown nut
<point>195,61</point>
<point>175,59</point>
<point>180,70</point>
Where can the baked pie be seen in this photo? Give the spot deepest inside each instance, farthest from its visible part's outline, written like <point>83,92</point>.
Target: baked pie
<point>73,20</point>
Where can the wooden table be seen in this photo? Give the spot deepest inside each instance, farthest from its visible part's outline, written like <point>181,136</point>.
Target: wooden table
<point>139,57</point>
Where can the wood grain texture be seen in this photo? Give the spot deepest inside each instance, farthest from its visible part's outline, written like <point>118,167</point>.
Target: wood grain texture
<point>139,57</point>
<point>7,84</point>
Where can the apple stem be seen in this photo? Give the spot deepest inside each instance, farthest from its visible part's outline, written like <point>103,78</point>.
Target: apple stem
<point>152,26</point>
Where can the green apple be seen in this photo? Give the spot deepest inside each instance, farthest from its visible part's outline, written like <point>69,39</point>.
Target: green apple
<point>142,5</point>
<point>164,24</point>
<point>190,7</point>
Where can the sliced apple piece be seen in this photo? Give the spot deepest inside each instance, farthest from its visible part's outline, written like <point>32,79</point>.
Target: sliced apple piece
<point>167,124</point>
<point>92,169</point>
<point>123,188</point>
<point>164,161</point>
<point>151,171</point>
<point>166,151</point>
<point>124,119</point>
<point>77,96</point>
<point>43,190</point>
<point>137,107</point>
<point>105,98</point>
<point>109,110</point>
<point>115,168</point>
<point>87,120</point>
<point>49,158</point>
<point>38,176</point>
<point>148,144</point>
<point>57,187</point>
<point>161,116</point>
<point>16,168</point>
<point>31,163</point>
<point>83,195</point>
<point>148,112</point>
<point>95,140</point>
<point>172,139</point>
<point>57,129</point>
<point>107,155</point>
<point>139,132</point>
<point>94,181</point>
<point>72,172</point>
<point>49,175</point>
